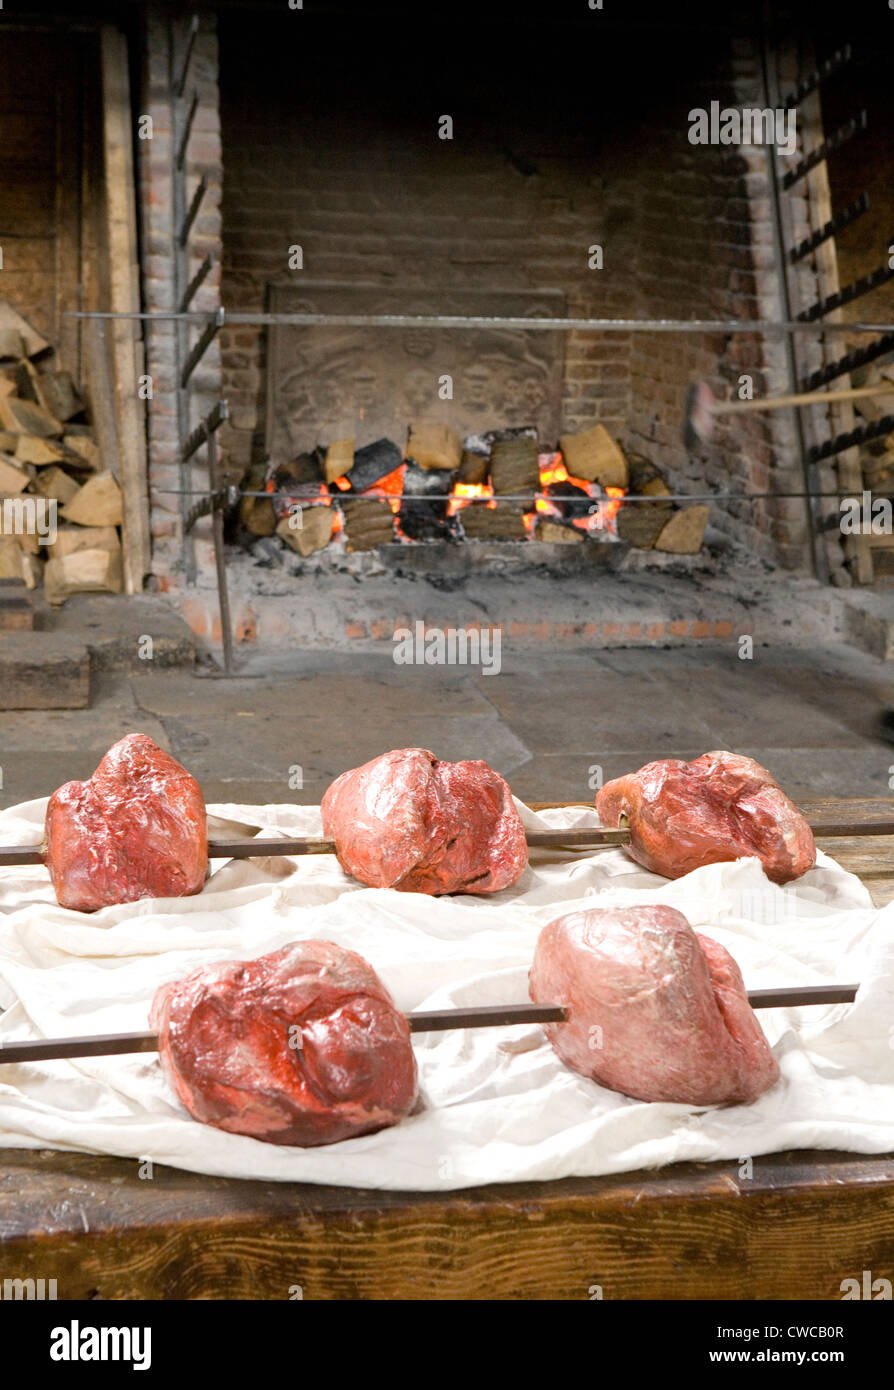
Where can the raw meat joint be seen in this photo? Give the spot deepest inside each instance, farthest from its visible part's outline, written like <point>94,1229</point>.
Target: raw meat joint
<point>717,808</point>
<point>136,829</point>
<point>655,1010</point>
<point>303,1046</point>
<point>407,821</point>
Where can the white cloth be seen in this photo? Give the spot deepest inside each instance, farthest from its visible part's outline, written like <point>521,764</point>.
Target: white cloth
<point>497,1105</point>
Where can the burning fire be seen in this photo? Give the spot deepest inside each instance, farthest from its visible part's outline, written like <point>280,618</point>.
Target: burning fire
<point>391,486</point>
<point>464,493</point>
<point>601,517</point>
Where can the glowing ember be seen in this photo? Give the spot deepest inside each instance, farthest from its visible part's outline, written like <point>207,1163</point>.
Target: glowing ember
<point>464,493</point>
<point>601,517</point>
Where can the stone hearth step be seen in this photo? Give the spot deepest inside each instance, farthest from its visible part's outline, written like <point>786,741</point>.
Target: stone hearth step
<point>43,670</point>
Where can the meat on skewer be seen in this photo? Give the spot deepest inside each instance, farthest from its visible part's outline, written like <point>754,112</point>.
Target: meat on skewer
<point>408,821</point>
<point>654,1010</point>
<point>303,1046</point>
<point>136,829</point>
<point>717,808</point>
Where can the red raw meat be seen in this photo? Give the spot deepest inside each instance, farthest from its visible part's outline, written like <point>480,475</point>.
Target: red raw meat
<point>656,1011</point>
<point>228,1033</point>
<point>717,808</point>
<point>407,821</point>
<point>137,829</point>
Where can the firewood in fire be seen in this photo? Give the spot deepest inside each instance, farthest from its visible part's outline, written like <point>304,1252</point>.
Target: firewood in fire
<point>513,466</point>
<point>505,522</point>
<point>339,459</point>
<point>552,533</point>
<point>314,533</point>
<point>372,463</point>
<point>641,523</point>
<point>685,532</point>
<point>434,446</point>
<point>594,456</point>
<point>421,518</point>
<point>368,522</point>
<point>474,468</point>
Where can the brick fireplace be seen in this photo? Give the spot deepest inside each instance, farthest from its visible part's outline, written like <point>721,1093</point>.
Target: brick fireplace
<point>510,171</point>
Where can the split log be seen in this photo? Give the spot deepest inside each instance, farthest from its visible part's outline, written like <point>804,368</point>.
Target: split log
<point>13,478</point>
<point>514,467</point>
<point>12,345</point>
<point>18,563</point>
<point>86,449</point>
<point>24,376</point>
<point>55,483</point>
<point>83,572</point>
<point>30,448</point>
<point>595,457</point>
<point>314,533</point>
<point>434,445</point>
<point>97,503</point>
<point>27,417</point>
<point>339,459</point>
<point>8,442</point>
<point>56,393</point>
<point>34,343</point>
<point>7,384</point>
<point>71,539</point>
<point>685,532</point>
<point>641,523</point>
<point>554,534</point>
<point>372,463</point>
<point>504,523</point>
<point>474,468</point>
<point>368,522</point>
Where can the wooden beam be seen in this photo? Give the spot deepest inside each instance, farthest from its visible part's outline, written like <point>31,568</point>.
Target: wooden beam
<point>124,287</point>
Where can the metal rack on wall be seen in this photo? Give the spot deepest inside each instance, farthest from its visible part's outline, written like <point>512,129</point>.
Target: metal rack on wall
<point>824,312</point>
<point>184,107</point>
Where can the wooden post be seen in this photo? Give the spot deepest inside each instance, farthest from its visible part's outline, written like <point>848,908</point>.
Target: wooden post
<point>124,297</point>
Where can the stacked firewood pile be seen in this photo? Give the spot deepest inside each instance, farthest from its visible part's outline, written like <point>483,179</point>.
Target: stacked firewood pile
<point>499,485</point>
<point>48,451</point>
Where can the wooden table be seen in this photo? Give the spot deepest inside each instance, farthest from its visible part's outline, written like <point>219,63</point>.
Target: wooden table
<point>800,1225</point>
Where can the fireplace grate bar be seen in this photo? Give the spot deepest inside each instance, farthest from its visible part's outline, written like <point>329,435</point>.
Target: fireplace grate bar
<point>539,325</point>
<point>527,498</point>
